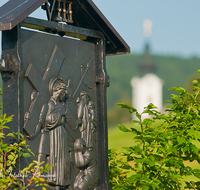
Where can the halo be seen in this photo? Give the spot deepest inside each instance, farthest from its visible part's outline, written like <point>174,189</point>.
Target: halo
<point>52,83</point>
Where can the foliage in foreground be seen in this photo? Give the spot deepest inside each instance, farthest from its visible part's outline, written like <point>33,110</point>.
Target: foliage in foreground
<point>9,155</point>
<point>160,154</point>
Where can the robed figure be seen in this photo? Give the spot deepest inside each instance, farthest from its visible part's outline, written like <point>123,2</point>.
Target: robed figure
<point>72,131</point>
<point>84,115</point>
<point>87,113</point>
<point>57,116</point>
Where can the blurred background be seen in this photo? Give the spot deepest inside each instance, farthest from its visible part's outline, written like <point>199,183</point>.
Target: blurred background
<point>165,51</point>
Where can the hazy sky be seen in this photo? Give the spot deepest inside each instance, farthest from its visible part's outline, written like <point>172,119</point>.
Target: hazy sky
<point>176,24</point>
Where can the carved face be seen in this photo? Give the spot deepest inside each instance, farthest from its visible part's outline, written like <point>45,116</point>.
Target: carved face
<point>78,100</point>
<point>91,105</point>
<point>86,97</point>
<point>61,94</point>
<point>59,91</point>
<point>80,145</point>
<point>83,147</point>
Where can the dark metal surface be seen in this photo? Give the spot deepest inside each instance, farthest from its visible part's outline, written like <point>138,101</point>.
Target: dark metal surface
<point>14,11</point>
<point>59,10</point>
<point>12,76</point>
<point>30,61</point>
<point>61,29</point>
<point>73,113</point>
<point>102,84</point>
<point>85,14</point>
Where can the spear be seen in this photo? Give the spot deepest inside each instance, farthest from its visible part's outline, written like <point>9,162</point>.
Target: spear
<point>83,76</point>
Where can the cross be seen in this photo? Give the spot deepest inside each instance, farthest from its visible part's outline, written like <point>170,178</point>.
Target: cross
<point>40,86</point>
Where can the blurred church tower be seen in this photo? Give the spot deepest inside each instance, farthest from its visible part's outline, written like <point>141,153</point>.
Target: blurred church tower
<point>148,88</point>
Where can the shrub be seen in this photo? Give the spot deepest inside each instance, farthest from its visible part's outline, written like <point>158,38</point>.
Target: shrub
<point>158,158</point>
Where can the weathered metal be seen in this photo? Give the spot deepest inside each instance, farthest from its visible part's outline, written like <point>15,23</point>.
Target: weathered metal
<point>55,87</point>
<point>13,12</point>
<point>61,29</point>
<point>85,15</point>
<point>59,10</point>
<point>32,60</point>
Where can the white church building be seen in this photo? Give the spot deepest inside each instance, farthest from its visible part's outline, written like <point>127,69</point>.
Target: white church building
<point>146,90</point>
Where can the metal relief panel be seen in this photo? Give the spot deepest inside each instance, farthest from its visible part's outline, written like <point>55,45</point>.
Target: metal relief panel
<point>60,117</point>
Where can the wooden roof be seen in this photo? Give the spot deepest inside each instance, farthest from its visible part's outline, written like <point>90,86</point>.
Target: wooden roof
<point>85,14</point>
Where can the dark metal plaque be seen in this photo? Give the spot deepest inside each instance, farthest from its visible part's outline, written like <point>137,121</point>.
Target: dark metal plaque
<point>58,86</point>
<point>50,58</point>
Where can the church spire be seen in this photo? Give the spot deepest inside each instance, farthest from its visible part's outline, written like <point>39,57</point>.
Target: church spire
<point>146,64</point>
<point>147,28</point>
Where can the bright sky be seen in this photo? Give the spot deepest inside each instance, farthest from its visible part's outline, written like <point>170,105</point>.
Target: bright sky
<point>175,29</point>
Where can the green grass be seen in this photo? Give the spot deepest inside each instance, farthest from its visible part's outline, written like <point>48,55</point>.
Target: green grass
<point>118,139</point>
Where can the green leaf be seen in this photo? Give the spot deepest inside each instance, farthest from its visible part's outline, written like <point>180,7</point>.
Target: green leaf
<point>50,166</point>
<point>135,121</point>
<point>151,106</point>
<point>23,143</point>
<point>10,157</point>
<point>185,148</point>
<point>127,148</point>
<point>177,165</point>
<point>26,155</point>
<point>172,88</point>
<point>136,131</point>
<point>123,105</point>
<point>154,185</point>
<point>2,135</point>
<point>31,165</point>
<point>194,82</point>
<point>191,132</point>
<point>196,173</point>
<point>11,135</point>
<point>134,177</point>
<point>178,89</point>
<point>163,117</point>
<point>151,163</point>
<point>181,140</point>
<point>197,135</point>
<point>195,149</point>
<point>123,128</point>
<point>147,122</point>
<point>152,158</point>
<point>145,188</point>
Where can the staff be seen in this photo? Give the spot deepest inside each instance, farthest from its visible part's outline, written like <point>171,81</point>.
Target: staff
<point>79,84</point>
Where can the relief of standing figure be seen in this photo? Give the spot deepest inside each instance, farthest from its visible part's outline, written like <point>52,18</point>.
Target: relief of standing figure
<point>84,114</point>
<point>55,122</point>
<point>54,142</point>
<point>73,133</point>
<point>93,122</point>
